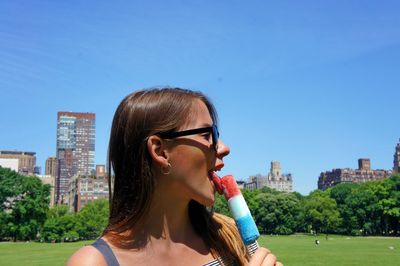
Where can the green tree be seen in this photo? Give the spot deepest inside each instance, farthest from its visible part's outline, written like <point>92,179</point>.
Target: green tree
<point>387,192</point>
<point>321,212</point>
<point>394,210</point>
<point>221,205</point>
<point>278,213</point>
<point>64,225</point>
<point>24,201</point>
<point>251,199</point>
<point>340,193</point>
<point>60,225</point>
<point>92,219</point>
<point>365,212</point>
<point>370,208</point>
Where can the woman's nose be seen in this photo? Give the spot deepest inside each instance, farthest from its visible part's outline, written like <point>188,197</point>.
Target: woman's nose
<point>223,150</point>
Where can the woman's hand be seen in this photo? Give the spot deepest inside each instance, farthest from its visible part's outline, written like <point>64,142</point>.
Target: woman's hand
<point>264,257</point>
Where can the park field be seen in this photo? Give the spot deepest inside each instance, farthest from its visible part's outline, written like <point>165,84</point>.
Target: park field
<point>291,250</point>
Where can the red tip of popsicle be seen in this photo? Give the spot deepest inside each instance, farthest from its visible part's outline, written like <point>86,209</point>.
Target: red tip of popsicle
<point>230,186</point>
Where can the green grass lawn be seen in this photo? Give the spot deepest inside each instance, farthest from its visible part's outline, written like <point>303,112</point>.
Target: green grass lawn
<point>337,250</point>
<point>37,253</point>
<point>291,250</point>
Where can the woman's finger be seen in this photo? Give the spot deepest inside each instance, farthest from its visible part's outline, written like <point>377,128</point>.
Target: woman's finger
<point>259,256</point>
<point>269,260</point>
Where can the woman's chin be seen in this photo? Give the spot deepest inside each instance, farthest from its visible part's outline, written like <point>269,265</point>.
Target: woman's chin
<point>210,202</point>
<point>207,201</point>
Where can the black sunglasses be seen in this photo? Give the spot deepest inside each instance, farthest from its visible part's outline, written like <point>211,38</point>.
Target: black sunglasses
<point>213,130</point>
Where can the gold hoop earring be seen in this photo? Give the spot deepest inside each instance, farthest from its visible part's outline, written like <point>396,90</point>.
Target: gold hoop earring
<point>166,170</point>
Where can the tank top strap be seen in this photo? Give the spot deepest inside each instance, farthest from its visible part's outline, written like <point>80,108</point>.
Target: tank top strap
<point>106,251</point>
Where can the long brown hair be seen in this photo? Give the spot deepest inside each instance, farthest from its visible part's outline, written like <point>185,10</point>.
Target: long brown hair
<point>138,116</point>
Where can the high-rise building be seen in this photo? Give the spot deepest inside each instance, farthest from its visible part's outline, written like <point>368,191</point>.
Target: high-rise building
<point>51,167</point>
<point>26,161</point>
<point>396,160</point>
<point>51,176</point>
<point>75,148</point>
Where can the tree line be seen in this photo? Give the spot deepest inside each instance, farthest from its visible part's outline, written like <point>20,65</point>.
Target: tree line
<point>25,213</point>
<point>371,208</point>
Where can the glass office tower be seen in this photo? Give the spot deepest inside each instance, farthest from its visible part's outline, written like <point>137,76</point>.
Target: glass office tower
<point>75,148</point>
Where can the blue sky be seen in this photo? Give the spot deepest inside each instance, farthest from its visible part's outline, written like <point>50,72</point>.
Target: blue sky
<point>312,84</point>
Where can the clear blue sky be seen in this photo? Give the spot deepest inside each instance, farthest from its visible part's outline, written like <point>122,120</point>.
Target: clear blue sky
<point>312,84</point>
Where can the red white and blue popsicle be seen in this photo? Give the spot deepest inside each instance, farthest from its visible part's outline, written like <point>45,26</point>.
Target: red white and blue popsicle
<point>238,208</point>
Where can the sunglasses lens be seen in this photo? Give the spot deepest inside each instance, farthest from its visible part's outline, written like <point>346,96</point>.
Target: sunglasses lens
<point>215,136</point>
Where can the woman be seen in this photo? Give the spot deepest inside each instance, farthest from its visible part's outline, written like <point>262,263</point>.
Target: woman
<point>163,150</point>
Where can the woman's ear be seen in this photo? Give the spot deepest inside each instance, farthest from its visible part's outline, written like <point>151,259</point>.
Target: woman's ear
<point>157,150</point>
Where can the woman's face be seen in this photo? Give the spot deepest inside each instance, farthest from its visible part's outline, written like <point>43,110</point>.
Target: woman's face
<point>193,158</point>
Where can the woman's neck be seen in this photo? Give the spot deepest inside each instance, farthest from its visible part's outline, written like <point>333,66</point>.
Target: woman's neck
<point>168,220</point>
<point>166,235</point>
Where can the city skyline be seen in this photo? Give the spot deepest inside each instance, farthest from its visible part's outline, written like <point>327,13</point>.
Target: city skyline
<point>313,85</point>
<point>69,114</point>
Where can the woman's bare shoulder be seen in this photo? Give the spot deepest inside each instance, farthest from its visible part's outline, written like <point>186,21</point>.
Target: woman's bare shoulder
<point>87,256</point>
